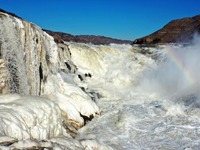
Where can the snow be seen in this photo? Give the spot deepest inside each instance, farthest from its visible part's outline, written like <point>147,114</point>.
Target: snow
<point>129,117</point>
<point>71,99</point>
<point>30,117</point>
<point>19,23</point>
<point>127,94</point>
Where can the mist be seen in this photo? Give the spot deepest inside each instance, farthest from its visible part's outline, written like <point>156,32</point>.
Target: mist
<point>179,72</point>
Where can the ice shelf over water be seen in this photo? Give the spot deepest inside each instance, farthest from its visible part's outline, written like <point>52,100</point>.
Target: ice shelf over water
<point>95,97</point>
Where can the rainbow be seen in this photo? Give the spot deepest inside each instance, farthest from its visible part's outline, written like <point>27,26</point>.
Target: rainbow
<point>180,64</point>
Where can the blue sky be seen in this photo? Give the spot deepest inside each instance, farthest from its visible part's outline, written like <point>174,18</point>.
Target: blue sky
<point>123,19</point>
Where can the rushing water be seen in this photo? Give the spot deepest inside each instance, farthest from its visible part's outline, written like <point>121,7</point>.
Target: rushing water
<point>138,97</point>
<point>146,103</point>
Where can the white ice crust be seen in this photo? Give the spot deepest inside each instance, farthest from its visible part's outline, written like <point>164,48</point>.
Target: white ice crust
<point>115,80</point>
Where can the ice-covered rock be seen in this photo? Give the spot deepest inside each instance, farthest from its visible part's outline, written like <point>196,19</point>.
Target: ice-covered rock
<point>44,76</point>
<point>6,140</point>
<point>59,86</point>
<point>30,117</point>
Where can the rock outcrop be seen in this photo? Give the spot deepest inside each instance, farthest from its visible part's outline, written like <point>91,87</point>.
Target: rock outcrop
<point>179,30</point>
<point>59,37</point>
<point>34,66</point>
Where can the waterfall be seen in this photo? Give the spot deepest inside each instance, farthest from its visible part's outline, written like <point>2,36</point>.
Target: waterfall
<point>12,54</point>
<point>83,96</point>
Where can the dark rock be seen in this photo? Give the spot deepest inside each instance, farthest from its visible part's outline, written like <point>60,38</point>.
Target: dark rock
<point>80,77</point>
<point>86,119</point>
<point>60,37</point>
<point>179,30</point>
<point>88,75</point>
<point>68,66</point>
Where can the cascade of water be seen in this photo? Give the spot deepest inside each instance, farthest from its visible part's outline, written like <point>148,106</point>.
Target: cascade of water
<point>35,65</point>
<point>125,82</point>
<point>12,53</point>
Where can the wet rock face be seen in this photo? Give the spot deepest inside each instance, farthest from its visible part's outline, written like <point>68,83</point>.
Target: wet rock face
<point>179,30</point>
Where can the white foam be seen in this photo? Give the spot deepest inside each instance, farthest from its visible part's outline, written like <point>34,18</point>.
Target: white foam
<point>134,114</point>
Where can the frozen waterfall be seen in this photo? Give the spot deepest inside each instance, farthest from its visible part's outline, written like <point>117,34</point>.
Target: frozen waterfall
<point>106,97</point>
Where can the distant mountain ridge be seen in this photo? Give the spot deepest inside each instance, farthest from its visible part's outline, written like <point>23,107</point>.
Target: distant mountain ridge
<point>179,30</point>
<point>59,37</point>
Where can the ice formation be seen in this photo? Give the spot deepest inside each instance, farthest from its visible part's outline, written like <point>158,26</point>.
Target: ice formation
<point>83,96</point>
<point>51,104</point>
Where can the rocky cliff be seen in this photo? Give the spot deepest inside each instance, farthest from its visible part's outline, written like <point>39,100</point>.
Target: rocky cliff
<point>179,30</point>
<point>39,97</point>
<point>60,37</point>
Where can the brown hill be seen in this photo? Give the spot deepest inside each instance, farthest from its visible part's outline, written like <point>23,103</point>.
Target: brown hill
<point>59,37</point>
<point>178,30</point>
